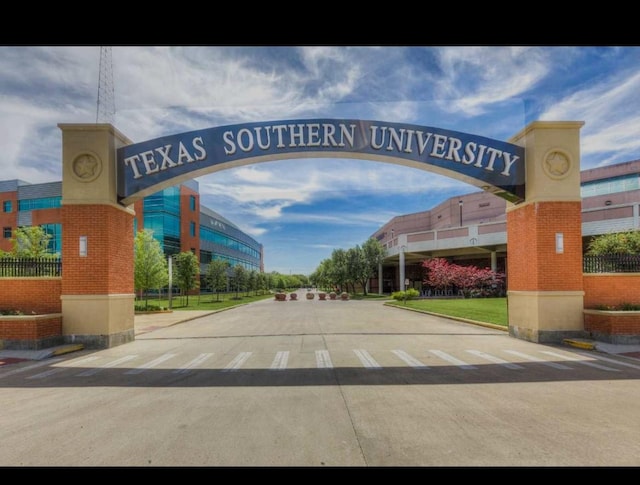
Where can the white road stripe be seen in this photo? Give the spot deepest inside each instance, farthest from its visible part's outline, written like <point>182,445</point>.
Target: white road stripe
<point>236,363</point>
<point>190,365</point>
<point>409,360</point>
<point>614,361</point>
<point>323,359</point>
<point>151,364</point>
<point>531,358</point>
<point>450,358</point>
<point>366,359</point>
<point>495,360</point>
<point>108,365</point>
<point>47,373</point>
<point>280,361</point>
<point>81,362</point>
<point>29,367</point>
<point>579,361</point>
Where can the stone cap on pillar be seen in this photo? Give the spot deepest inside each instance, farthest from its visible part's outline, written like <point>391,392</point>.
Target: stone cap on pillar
<point>552,161</point>
<point>89,170</point>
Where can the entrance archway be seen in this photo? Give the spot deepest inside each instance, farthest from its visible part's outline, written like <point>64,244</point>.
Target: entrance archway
<point>104,173</point>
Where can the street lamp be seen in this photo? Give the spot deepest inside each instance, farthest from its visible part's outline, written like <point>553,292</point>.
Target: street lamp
<point>460,205</point>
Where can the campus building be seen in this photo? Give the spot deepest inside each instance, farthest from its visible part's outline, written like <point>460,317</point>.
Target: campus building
<point>178,221</point>
<point>472,228</point>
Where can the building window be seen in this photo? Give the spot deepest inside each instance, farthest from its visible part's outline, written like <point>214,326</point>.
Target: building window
<point>192,202</point>
<point>192,229</point>
<point>6,232</point>
<point>7,206</point>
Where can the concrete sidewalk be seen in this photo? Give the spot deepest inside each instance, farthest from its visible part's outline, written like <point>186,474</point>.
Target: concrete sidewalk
<point>145,323</point>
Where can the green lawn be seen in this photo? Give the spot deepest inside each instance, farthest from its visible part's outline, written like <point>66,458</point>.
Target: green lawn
<point>205,302</point>
<point>487,310</point>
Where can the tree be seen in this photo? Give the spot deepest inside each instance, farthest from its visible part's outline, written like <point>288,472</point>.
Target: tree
<point>216,276</point>
<point>150,268</point>
<point>31,242</point>
<point>239,278</point>
<point>374,253</point>
<point>187,270</point>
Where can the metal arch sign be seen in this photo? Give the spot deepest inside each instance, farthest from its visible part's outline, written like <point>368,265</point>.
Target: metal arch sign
<point>494,165</point>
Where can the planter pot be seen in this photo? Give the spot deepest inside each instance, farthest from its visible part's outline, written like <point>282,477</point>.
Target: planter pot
<point>344,295</point>
<point>322,296</point>
<point>333,295</point>
<point>280,297</point>
<point>310,296</point>
<point>293,296</point>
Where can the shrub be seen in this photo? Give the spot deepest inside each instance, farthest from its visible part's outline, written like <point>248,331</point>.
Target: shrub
<point>409,294</point>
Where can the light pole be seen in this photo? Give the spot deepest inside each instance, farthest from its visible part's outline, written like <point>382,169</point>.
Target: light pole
<point>460,206</point>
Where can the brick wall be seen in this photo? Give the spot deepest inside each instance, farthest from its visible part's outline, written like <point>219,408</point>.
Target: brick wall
<point>31,295</point>
<point>611,289</point>
<point>532,261</point>
<point>108,266</point>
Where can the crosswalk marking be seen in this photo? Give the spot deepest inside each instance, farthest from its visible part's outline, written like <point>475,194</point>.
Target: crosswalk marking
<point>531,358</point>
<point>108,365</point>
<point>579,361</point>
<point>453,360</point>
<point>280,360</point>
<point>151,364</point>
<point>495,360</point>
<point>367,360</point>
<point>29,367</point>
<point>409,360</point>
<point>237,362</point>
<point>605,359</point>
<point>323,359</point>
<point>195,362</point>
<point>47,373</point>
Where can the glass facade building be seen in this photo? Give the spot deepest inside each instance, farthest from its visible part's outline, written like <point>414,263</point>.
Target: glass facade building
<point>178,221</point>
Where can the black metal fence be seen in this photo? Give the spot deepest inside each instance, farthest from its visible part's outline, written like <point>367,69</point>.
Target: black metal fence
<point>611,263</point>
<point>24,267</point>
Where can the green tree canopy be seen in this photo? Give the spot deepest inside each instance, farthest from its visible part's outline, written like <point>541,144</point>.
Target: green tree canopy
<point>31,242</point>
<point>216,276</point>
<point>187,271</point>
<point>150,268</point>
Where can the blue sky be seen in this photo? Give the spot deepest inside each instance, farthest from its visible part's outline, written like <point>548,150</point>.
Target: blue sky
<point>302,209</point>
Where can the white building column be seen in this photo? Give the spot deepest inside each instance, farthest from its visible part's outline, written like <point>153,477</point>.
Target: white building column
<point>402,249</point>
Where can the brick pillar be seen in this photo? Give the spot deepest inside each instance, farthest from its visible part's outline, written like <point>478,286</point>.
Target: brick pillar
<point>97,240</point>
<point>544,236</point>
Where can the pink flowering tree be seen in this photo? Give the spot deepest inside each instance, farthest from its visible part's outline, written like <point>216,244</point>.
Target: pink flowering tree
<point>473,281</point>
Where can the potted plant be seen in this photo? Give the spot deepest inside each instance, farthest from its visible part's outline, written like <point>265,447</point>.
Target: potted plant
<point>293,296</point>
<point>344,295</point>
<point>322,295</point>
<point>333,295</point>
<point>310,295</point>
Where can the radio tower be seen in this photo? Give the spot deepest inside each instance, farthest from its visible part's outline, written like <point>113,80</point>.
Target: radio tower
<point>106,109</point>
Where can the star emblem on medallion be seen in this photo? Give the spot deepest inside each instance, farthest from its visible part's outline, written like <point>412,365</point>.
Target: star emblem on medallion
<point>86,167</point>
<point>557,164</point>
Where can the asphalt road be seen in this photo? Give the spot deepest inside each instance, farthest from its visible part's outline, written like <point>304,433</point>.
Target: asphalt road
<point>322,383</point>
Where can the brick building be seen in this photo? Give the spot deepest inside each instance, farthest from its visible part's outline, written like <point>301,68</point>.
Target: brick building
<point>178,221</point>
<point>472,228</point>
